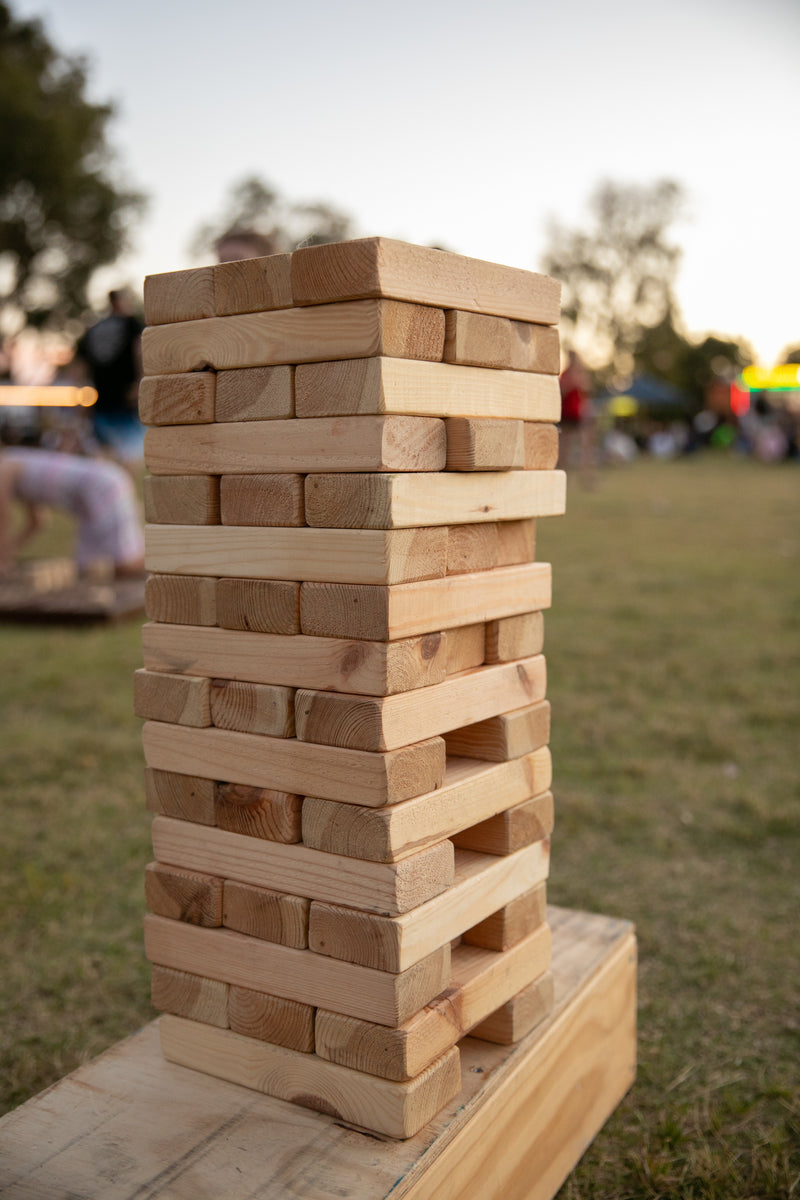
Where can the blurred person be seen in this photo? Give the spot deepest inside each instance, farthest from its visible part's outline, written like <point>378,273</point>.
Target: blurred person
<point>99,494</point>
<point>111,352</point>
<point>244,243</point>
<point>576,417</point>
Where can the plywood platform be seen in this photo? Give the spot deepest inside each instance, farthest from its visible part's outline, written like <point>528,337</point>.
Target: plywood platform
<point>50,590</point>
<point>131,1125</point>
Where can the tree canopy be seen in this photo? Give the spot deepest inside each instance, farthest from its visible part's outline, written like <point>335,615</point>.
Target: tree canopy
<point>63,213</point>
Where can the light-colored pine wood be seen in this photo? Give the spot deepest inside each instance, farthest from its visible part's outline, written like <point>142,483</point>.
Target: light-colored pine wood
<point>270,1019</point>
<point>319,444</point>
<point>267,914</point>
<point>509,831</point>
<point>255,394</point>
<point>504,928</point>
<point>327,664</point>
<point>379,266</point>
<point>472,548</point>
<point>185,797</point>
<point>183,599</point>
<point>395,1109</point>
<point>361,328</point>
<point>481,981</point>
<point>252,707</point>
<point>374,887</point>
<point>518,1016</point>
<point>257,812</point>
<point>179,296</point>
<point>388,613</point>
<point>465,648</point>
<point>181,499</point>
<point>189,996</point>
<point>253,284</point>
<point>502,737</point>
<point>482,885</point>
<point>178,399</point>
<point>540,443</point>
<point>260,605</point>
<point>514,637</point>
<point>398,385</point>
<point>471,792</point>
<point>477,340</point>
<point>516,542</point>
<point>382,996</point>
<point>262,499</point>
<point>388,722</point>
<point>484,444</point>
<point>183,895</point>
<point>181,699</point>
<point>373,556</point>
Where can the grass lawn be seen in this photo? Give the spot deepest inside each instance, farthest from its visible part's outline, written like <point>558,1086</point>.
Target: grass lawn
<point>674,677</point>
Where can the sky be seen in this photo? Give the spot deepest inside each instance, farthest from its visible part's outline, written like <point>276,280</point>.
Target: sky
<point>464,124</point>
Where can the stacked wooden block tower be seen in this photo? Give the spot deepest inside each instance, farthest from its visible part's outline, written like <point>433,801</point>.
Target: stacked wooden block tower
<point>346,737</point>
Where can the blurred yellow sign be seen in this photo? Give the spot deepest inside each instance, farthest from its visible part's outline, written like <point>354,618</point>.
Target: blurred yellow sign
<point>760,379</point>
<point>622,406</point>
<point>48,397</point>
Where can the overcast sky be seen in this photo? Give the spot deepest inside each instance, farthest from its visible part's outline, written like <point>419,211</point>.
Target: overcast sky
<point>466,124</point>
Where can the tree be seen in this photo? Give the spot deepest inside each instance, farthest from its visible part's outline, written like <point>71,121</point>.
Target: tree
<point>689,365</point>
<point>62,213</point>
<point>618,274</point>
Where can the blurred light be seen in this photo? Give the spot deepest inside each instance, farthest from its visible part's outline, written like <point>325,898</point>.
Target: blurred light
<point>762,379</point>
<point>740,400</point>
<point>48,397</point>
<point>622,406</point>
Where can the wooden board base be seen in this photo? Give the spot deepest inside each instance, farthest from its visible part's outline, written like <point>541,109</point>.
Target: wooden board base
<point>523,1118</point>
<point>22,598</point>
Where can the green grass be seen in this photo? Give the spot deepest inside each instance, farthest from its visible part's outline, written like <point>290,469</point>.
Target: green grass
<point>673,668</point>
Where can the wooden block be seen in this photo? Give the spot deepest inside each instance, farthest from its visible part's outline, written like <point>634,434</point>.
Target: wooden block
<point>385,501</point>
<point>472,548</point>
<point>183,895</point>
<point>471,792</point>
<point>179,296</point>
<point>263,913</point>
<point>509,831</point>
<point>481,981</point>
<point>482,885</point>
<point>360,329</point>
<point>484,444</point>
<point>505,736</point>
<point>271,1019</point>
<point>252,707</point>
<point>261,605</point>
<point>178,399</point>
<point>182,796</point>
<point>522,1013</point>
<point>183,599</point>
<point>389,722</point>
<point>540,443</point>
<point>373,556</point>
<point>262,499</point>
<point>381,996</point>
<point>181,699</point>
<point>395,385</point>
<point>516,542</point>
<point>181,499</point>
<point>387,613</point>
<point>374,887</point>
<point>257,812</point>
<point>327,664</point>
<point>514,637</point>
<point>189,996</point>
<point>465,648</point>
<point>379,266</point>
<point>253,285</point>
<point>397,1110</point>
<point>512,922</point>
<point>255,394</point>
<point>477,340</point>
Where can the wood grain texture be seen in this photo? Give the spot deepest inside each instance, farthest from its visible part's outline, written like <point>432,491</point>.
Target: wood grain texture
<point>484,444</point>
<point>185,797</point>
<point>327,664</point>
<point>253,285</point>
<point>252,707</point>
<point>181,499</point>
<point>179,296</point>
<point>265,499</point>
<point>395,385</point>
<point>178,399</point>
<point>516,542</point>
<point>482,885</point>
<point>465,648</point>
<point>189,996</point>
<point>477,340</point>
<point>471,792</point>
<point>182,599</point>
<point>354,776</point>
<point>257,812</point>
<point>255,394</point>
<point>373,556</point>
<point>513,921</point>
<point>359,329</point>
<point>505,736</point>
<point>540,442</point>
<point>472,548</point>
<point>182,894</point>
<point>512,829</point>
<point>260,605</point>
<point>270,1019</point>
<point>522,1013</point>
<point>388,613</point>
<point>242,961</point>
<point>181,699</point>
<point>263,913</point>
<point>299,870</point>
<point>514,637</point>
<point>379,266</point>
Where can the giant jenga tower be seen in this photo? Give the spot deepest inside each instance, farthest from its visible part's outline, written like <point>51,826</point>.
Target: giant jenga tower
<point>347,729</point>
